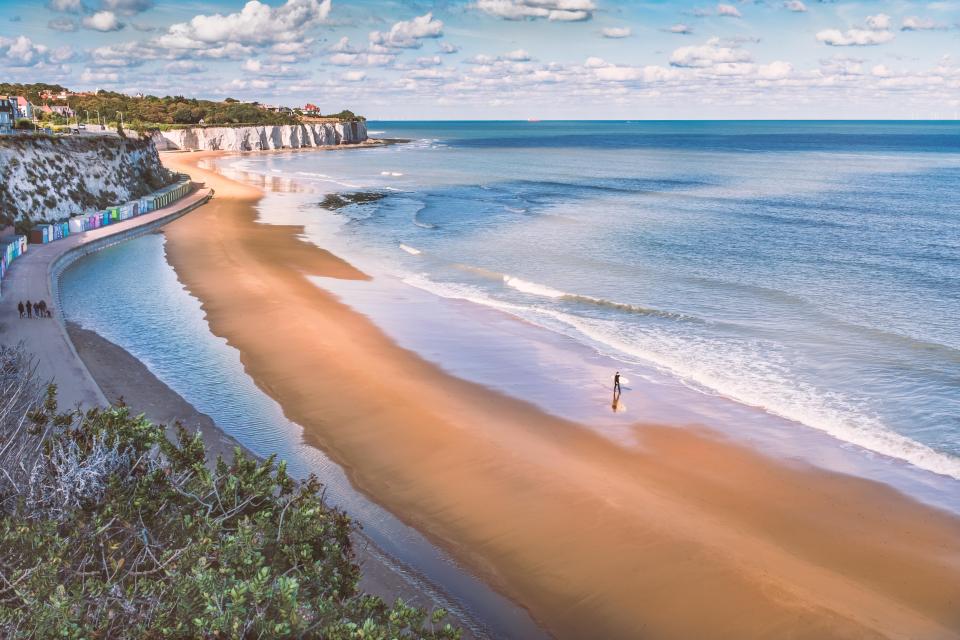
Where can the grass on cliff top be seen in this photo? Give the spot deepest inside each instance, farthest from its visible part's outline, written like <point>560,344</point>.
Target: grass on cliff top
<point>108,529</point>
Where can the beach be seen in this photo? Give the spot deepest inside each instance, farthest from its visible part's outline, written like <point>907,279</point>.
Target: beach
<point>121,377</point>
<point>685,534</point>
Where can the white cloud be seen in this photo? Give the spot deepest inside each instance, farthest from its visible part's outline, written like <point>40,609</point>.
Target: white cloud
<point>21,51</point>
<point>554,10</point>
<point>777,70</point>
<point>407,34</point>
<point>99,77</point>
<point>796,6</point>
<point>519,55</point>
<point>362,59</point>
<point>880,71</point>
<point>616,32</point>
<point>914,23</point>
<point>256,24</point>
<point>184,67</point>
<point>621,73</point>
<point>447,48</point>
<point>258,67</point>
<point>429,61</point>
<point>343,46</point>
<point>102,21</point>
<point>61,55</point>
<point>355,76</point>
<point>854,37</point>
<point>842,66</point>
<point>728,11</point>
<point>291,51</point>
<point>66,6</point>
<point>877,31</point>
<point>680,28</point>
<point>879,22</point>
<point>246,85</point>
<point>707,55</point>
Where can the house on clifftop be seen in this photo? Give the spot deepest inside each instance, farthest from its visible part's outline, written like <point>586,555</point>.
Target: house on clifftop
<point>8,115</point>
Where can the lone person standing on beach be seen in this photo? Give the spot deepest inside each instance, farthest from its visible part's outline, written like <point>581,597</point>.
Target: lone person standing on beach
<point>20,308</point>
<point>616,383</point>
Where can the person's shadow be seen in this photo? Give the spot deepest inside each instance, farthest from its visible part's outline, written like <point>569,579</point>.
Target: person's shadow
<point>616,406</point>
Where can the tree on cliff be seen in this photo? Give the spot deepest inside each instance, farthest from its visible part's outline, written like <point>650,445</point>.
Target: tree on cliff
<point>108,529</point>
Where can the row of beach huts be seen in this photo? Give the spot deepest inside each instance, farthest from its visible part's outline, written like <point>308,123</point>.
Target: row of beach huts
<point>14,246</point>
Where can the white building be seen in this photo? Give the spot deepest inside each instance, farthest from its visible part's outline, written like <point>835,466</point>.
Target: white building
<point>23,107</point>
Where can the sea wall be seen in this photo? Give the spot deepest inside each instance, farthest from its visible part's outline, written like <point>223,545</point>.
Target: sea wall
<point>52,178</point>
<point>261,138</point>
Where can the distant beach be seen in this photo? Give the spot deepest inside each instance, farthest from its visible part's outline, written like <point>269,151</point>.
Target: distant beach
<point>684,534</point>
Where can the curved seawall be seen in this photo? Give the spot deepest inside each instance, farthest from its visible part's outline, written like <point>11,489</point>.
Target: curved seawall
<point>34,276</point>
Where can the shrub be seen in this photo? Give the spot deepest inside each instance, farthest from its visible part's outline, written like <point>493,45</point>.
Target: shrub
<point>108,529</point>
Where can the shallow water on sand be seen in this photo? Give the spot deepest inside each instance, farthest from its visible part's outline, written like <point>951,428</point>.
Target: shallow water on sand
<point>150,314</point>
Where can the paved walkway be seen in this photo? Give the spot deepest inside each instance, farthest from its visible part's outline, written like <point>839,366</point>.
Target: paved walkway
<point>30,277</point>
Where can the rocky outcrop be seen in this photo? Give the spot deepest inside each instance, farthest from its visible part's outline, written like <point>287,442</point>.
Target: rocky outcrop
<point>261,138</point>
<point>52,178</point>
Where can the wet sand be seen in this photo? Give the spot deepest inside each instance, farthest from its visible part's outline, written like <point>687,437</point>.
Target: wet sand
<point>122,377</point>
<point>684,536</point>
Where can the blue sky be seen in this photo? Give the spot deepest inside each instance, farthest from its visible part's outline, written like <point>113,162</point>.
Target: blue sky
<point>506,58</point>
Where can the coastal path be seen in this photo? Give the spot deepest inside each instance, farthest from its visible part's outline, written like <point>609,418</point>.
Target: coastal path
<point>34,276</point>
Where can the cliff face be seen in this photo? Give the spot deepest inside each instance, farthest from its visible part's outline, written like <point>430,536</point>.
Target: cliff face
<point>261,138</point>
<point>44,178</point>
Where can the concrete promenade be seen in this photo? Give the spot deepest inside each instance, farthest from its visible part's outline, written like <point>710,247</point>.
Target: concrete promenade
<point>35,276</point>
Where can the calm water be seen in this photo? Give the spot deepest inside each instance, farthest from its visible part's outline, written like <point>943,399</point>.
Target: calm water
<point>808,270</point>
<point>151,315</point>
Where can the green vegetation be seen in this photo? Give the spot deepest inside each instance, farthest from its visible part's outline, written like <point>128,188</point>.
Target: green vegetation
<point>108,529</point>
<point>30,91</point>
<point>153,111</point>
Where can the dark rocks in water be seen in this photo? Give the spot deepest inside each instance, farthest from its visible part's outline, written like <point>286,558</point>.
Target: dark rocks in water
<point>334,201</point>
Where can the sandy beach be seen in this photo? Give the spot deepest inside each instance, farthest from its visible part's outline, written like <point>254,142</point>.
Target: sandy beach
<point>122,377</point>
<point>685,536</point>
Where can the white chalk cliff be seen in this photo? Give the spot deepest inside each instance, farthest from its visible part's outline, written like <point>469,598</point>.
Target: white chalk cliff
<point>52,178</point>
<point>260,138</point>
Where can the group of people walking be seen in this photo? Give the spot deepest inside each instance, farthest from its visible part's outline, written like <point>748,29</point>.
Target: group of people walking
<point>34,309</point>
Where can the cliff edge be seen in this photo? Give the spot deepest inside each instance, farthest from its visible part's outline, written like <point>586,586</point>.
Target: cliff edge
<point>51,178</point>
<point>262,138</point>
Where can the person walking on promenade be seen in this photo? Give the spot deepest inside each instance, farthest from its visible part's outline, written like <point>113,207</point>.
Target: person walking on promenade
<point>36,309</point>
<point>29,309</point>
<point>43,309</point>
<point>20,308</point>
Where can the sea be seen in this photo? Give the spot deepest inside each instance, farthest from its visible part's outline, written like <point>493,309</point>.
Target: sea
<point>790,285</point>
<point>795,285</point>
<point>809,270</point>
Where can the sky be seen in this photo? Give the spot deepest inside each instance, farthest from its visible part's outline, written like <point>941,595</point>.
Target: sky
<point>506,59</point>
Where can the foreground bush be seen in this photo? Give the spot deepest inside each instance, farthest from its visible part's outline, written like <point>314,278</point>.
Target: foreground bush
<point>110,530</point>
